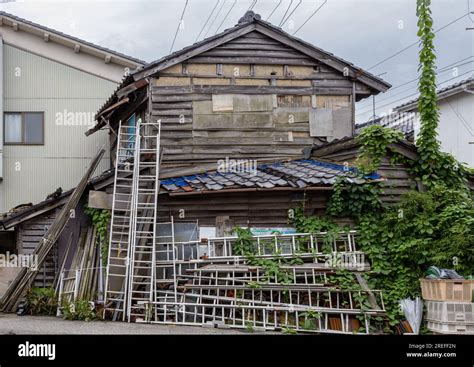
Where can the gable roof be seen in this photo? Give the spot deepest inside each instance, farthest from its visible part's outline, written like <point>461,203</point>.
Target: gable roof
<point>252,22</point>
<point>52,35</point>
<point>450,90</point>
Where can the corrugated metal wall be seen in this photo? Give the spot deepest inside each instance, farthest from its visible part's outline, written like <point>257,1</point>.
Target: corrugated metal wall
<point>68,98</point>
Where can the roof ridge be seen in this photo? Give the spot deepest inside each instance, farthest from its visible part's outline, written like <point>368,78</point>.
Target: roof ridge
<point>72,38</point>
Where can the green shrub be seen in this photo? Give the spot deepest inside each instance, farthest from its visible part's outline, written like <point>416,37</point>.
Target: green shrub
<point>41,301</point>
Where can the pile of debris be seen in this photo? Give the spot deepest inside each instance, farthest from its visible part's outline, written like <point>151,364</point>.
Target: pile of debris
<point>285,284</point>
<point>17,290</point>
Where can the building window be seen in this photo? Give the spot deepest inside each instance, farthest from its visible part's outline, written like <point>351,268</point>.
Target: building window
<point>219,70</point>
<point>24,128</point>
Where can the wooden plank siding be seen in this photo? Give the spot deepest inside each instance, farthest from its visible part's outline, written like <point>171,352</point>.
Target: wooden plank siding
<point>29,235</point>
<point>258,209</point>
<point>252,65</point>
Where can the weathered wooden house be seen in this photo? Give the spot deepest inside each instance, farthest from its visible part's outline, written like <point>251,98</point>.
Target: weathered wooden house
<point>252,94</point>
<point>231,131</point>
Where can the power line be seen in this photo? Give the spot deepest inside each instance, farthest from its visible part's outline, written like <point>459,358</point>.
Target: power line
<point>286,12</point>
<point>215,18</point>
<point>223,20</point>
<point>440,71</point>
<point>414,94</point>
<point>208,18</point>
<point>254,2</point>
<point>289,15</point>
<point>179,25</point>
<point>276,7</point>
<point>312,15</point>
<point>415,43</point>
<point>368,107</point>
<point>469,11</point>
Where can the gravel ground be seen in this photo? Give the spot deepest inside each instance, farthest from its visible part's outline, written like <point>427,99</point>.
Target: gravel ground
<point>13,324</point>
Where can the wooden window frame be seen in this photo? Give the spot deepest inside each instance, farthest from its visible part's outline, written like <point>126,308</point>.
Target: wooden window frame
<point>22,127</point>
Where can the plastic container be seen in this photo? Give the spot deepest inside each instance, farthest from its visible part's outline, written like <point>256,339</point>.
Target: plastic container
<point>450,312</point>
<point>447,290</point>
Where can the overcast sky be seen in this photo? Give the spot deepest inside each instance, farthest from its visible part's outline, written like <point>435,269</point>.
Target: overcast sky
<point>362,32</point>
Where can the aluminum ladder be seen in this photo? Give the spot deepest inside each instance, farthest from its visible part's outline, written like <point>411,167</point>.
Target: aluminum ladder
<point>141,274</point>
<point>119,238</point>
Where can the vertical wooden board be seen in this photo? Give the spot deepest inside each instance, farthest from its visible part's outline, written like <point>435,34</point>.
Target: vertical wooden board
<point>320,122</point>
<point>342,122</point>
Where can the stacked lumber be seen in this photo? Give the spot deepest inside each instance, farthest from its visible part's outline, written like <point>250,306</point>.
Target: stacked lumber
<point>22,283</point>
<point>81,281</point>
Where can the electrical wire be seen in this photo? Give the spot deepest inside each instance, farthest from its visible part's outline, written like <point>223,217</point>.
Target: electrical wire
<point>223,20</point>
<point>469,11</point>
<point>286,12</point>
<point>416,93</point>
<point>312,15</point>
<point>208,18</point>
<point>179,24</point>
<point>440,71</point>
<point>414,43</point>
<point>252,4</point>
<point>369,107</point>
<point>276,7</point>
<point>215,18</point>
<point>289,15</point>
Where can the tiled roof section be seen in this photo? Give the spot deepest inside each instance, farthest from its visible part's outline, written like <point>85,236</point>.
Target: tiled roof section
<point>292,174</point>
<point>403,121</point>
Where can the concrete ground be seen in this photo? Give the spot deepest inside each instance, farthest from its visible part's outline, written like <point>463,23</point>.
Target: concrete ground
<point>13,324</point>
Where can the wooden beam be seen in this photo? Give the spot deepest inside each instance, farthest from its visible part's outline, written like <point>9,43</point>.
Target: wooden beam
<point>131,88</point>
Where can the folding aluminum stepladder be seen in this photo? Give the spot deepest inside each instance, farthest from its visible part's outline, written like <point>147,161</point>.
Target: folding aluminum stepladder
<point>119,240</point>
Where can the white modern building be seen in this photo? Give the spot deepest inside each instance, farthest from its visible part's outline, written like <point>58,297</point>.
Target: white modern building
<point>51,85</point>
<point>456,126</point>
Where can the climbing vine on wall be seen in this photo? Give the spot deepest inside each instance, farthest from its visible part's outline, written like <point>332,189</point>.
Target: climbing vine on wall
<point>100,220</point>
<point>374,142</point>
<point>434,166</point>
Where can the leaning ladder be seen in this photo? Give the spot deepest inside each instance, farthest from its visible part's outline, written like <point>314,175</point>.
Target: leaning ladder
<point>141,275</point>
<point>117,263</point>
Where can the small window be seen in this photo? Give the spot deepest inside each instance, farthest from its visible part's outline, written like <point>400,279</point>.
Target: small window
<point>24,128</point>
<point>219,70</point>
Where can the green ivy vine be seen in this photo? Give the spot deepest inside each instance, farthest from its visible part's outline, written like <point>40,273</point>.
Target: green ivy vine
<point>374,141</point>
<point>100,219</point>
